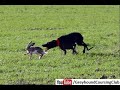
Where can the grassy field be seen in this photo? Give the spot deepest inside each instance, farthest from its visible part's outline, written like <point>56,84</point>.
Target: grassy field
<point>42,23</point>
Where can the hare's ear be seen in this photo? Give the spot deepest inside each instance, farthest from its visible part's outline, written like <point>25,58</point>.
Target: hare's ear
<point>33,44</point>
<point>30,42</point>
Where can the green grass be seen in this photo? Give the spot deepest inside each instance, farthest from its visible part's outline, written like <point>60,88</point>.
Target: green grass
<point>20,24</point>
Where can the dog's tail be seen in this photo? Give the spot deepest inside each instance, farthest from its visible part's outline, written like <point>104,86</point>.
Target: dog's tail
<point>82,43</point>
<point>86,46</point>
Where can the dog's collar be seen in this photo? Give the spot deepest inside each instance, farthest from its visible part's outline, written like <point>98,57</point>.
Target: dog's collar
<point>58,42</point>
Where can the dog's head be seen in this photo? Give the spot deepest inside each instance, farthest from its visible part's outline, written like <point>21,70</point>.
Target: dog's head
<point>50,45</point>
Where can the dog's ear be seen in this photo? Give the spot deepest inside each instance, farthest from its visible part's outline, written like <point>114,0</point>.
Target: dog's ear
<point>43,45</point>
<point>53,41</point>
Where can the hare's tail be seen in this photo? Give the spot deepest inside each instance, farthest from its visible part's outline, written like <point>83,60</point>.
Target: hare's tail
<point>44,52</point>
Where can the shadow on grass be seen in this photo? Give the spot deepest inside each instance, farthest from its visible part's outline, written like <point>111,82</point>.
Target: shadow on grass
<point>103,54</point>
<point>48,28</point>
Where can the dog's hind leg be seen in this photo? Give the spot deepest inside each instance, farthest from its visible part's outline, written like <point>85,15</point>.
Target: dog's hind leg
<point>85,47</point>
<point>83,44</point>
<point>84,50</point>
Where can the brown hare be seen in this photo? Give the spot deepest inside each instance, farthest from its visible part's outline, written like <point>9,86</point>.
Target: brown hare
<point>31,49</point>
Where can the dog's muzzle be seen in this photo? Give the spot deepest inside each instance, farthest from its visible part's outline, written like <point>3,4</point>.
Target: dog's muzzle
<point>46,49</point>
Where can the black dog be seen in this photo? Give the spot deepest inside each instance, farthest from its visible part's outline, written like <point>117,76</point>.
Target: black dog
<point>67,42</point>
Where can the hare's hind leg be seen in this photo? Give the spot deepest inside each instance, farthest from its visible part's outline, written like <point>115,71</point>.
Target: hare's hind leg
<point>40,56</point>
<point>30,56</point>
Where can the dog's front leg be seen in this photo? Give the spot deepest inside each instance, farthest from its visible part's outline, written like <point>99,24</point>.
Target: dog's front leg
<point>65,52</point>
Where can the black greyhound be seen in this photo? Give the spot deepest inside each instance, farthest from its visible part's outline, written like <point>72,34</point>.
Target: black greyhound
<point>68,41</point>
